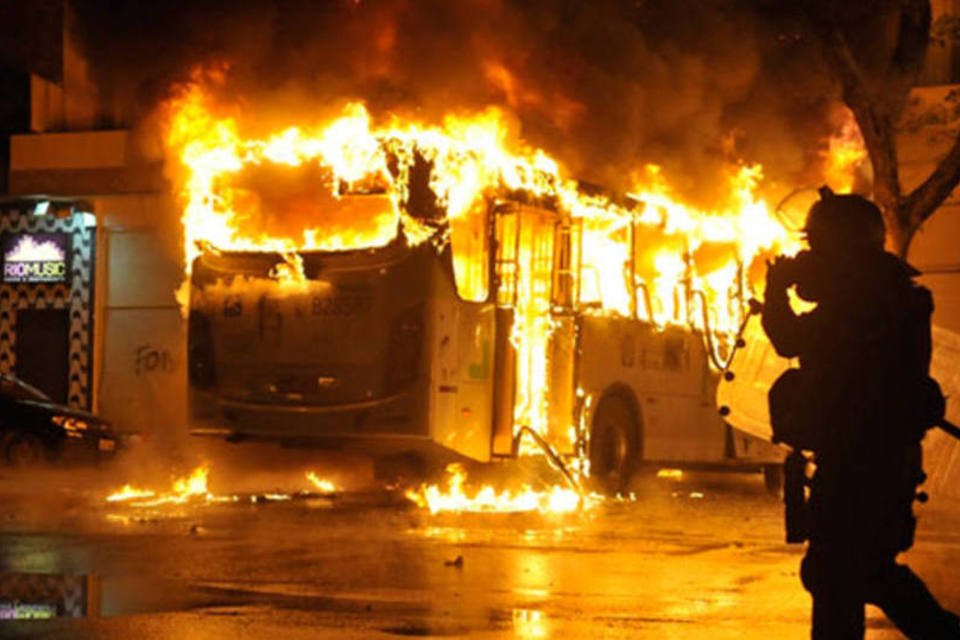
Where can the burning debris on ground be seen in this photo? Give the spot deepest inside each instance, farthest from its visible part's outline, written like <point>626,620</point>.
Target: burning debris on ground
<point>193,490</point>
<point>456,495</point>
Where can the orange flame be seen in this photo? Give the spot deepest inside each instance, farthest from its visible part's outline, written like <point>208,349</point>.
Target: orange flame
<point>186,489</point>
<point>290,192</point>
<point>194,489</point>
<point>320,484</point>
<point>454,496</point>
<point>845,155</point>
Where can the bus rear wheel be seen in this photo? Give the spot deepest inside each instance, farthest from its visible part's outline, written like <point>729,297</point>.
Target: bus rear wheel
<point>613,446</point>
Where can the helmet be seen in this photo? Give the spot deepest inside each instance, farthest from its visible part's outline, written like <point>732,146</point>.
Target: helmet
<point>844,222</point>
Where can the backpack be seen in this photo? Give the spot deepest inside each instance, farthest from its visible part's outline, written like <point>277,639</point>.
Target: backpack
<point>801,409</point>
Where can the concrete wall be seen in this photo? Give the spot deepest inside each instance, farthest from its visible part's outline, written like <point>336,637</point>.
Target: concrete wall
<point>139,334</point>
<point>931,126</point>
<point>142,379</point>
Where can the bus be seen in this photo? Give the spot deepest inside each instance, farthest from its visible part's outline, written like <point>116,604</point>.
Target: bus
<point>456,349</point>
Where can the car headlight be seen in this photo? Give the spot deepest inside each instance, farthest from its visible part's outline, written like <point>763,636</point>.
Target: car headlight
<point>75,427</point>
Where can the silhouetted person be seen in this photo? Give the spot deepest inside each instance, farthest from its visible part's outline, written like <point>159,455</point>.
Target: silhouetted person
<point>861,402</point>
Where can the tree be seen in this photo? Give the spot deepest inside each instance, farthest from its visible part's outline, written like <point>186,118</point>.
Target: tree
<point>875,51</point>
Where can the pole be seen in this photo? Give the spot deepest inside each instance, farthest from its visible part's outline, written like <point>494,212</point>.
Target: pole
<point>950,428</point>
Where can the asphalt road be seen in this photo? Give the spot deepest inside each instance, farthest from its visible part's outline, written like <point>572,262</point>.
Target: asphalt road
<point>696,557</point>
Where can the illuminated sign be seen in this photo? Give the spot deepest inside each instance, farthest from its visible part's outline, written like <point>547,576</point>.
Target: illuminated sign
<point>23,611</point>
<point>35,257</point>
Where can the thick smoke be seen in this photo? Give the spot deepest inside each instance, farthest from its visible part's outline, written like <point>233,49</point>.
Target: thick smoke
<point>604,85</point>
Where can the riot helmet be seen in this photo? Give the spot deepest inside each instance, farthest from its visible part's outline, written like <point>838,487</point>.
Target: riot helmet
<point>847,222</point>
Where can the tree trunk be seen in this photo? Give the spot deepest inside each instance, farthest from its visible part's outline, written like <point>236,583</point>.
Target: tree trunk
<point>877,103</point>
<point>899,235</point>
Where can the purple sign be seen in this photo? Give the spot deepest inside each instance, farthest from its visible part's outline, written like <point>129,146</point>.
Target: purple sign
<point>35,257</point>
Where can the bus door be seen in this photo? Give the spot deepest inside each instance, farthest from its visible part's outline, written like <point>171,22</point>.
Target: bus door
<point>505,268</point>
<point>524,272</point>
<point>466,341</point>
<point>562,347</point>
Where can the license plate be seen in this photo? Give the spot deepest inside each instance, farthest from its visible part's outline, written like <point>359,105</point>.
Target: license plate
<point>106,445</point>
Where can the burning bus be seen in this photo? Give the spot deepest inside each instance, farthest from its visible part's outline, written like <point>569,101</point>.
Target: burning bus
<point>431,291</point>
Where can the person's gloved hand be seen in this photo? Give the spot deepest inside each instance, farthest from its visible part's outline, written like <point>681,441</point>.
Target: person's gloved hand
<point>780,275</point>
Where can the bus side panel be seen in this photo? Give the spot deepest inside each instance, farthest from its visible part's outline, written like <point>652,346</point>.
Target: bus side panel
<point>461,372</point>
<point>668,374</point>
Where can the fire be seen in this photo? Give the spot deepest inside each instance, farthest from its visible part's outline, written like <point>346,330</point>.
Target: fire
<point>129,492</point>
<point>289,273</point>
<point>454,496</point>
<point>189,488</point>
<point>193,485</point>
<point>320,484</point>
<point>194,489</point>
<point>845,155</point>
<point>296,190</point>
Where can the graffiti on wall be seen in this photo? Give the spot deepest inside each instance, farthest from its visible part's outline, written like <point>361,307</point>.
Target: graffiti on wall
<point>152,359</point>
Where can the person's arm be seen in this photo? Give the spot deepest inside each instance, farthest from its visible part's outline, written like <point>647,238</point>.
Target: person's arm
<point>783,326</point>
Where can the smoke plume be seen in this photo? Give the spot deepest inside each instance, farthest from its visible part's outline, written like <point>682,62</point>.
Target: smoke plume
<point>604,85</point>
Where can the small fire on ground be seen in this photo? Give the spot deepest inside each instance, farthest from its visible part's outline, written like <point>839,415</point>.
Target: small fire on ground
<point>454,495</point>
<point>193,489</point>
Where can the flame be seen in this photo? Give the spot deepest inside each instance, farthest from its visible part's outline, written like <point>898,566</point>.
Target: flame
<point>845,155</point>
<point>194,489</point>
<point>193,485</point>
<point>320,484</point>
<point>186,489</point>
<point>691,267</point>
<point>289,273</point>
<point>129,492</point>
<point>454,496</point>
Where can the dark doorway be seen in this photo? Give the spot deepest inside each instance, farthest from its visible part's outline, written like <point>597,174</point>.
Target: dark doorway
<point>43,343</point>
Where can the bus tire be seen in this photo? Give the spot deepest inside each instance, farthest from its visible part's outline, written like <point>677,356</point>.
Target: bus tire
<point>613,445</point>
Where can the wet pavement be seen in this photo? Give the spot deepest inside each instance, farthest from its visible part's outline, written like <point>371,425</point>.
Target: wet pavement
<point>700,556</point>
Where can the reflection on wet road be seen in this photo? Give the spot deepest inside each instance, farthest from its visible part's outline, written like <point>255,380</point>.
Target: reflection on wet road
<point>691,557</point>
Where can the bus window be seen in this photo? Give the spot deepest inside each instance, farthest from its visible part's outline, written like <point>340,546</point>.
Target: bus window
<point>565,265</point>
<point>508,239</point>
<point>471,253</point>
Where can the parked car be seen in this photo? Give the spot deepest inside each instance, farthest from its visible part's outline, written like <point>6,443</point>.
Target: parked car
<point>35,429</point>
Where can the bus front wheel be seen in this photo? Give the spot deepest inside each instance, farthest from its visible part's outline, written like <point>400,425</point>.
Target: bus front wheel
<point>613,446</point>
